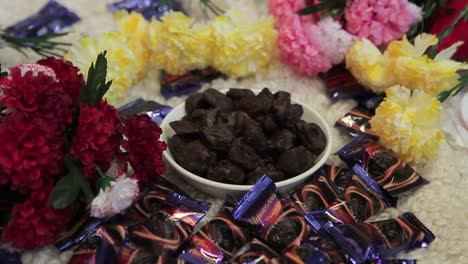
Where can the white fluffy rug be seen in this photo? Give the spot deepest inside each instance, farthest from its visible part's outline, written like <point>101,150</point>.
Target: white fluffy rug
<point>442,205</point>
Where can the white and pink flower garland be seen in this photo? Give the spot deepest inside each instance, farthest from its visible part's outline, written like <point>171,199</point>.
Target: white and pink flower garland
<point>311,45</point>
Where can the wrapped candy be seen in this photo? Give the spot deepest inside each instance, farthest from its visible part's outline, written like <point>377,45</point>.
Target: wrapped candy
<point>148,8</point>
<point>259,252</point>
<point>357,122</point>
<point>152,230</point>
<point>380,239</point>
<point>271,217</point>
<point>199,250</point>
<point>390,172</point>
<point>342,85</point>
<point>154,110</point>
<point>51,18</point>
<point>187,83</point>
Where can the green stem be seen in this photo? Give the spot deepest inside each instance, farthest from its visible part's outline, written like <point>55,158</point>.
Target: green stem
<point>432,52</point>
<point>442,96</point>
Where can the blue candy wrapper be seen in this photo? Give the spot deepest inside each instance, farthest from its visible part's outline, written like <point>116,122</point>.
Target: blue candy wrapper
<point>157,112</point>
<point>148,8</point>
<point>9,257</point>
<point>51,18</point>
<point>187,83</point>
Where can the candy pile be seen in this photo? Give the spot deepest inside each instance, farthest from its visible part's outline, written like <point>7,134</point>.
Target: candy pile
<point>237,137</point>
<point>320,222</point>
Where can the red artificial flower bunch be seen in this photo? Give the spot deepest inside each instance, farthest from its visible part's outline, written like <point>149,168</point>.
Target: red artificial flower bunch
<point>58,137</point>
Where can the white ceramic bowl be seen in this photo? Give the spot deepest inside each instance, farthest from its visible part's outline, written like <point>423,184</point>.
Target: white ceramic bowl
<point>219,189</point>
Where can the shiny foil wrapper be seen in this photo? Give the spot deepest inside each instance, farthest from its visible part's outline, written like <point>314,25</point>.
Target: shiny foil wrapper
<point>223,230</point>
<point>199,250</point>
<point>192,81</point>
<point>272,217</point>
<point>148,8</point>
<point>157,112</point>
<point>382,239</point>
<point>357,122</point>
<point>391,173</point>
<point>365,197</point>
<point>317,194</point>
<point>342,85</point>
<point>51,18</point>
<point>259,252</point>
<point>150,231</point>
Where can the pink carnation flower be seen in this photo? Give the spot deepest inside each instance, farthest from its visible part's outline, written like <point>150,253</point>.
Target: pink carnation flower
<point>300,50</point>
<point>282,9</point>
<point>381,21</point>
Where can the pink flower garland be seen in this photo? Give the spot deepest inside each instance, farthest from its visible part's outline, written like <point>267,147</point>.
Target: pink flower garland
<point>381,21</point>
<point>300,50</point>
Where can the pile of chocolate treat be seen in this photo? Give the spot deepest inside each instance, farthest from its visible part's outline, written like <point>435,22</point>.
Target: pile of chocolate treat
<point>320,222</point>
<point>237,137</point>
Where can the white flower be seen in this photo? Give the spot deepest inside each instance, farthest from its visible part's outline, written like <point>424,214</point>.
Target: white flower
<point>116,198</point>
<point>455,121</point>
<point>334,41</point>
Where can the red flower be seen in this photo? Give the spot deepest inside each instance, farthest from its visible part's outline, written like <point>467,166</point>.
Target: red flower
<point>38,93</point>
<point>442,19</point>
<point>98,136</point>
<point>68,75</point>
<point>144,148</point>
<point>31,152</point>
<point>34,224</point>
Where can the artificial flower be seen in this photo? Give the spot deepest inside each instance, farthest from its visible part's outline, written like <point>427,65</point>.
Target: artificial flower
<point>31,152</point>
<point>179,45</point>
<point>35,89</point>
<point>282,9</point>
<point>127,60</point>
<point>97,137</point>
<point>442,18</point>
<point>33,224</point>
<point>116,198</point>
<point>144,148</point>
<point>367,64</point>
<point>411,68</point>
<point>299,50</point>
<point>67,74</point>
<point>242,45</point>
<point>334,41</point>
<point>408,122</point>
<point>381,21</point>
<point>133,26</point>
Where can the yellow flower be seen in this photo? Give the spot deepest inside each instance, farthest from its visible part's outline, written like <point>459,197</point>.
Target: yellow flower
<point>408,122</point>
<point>367,64</point>
<point>133,26</point>
<point>415,70</point>
<point>243,44</point>
<point>178,45</point>
<point>127,60</point>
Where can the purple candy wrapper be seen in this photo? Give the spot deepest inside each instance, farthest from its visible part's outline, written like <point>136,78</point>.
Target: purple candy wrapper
<point>342,85</point>
<point>199,250</point>
<point>157,112</point>
<point>187,83</point>
<point>377,240</point>
<point>148,8</point>
<point>9,257</point>
<point>258,252</point>
<point>391,173</point>
<point>392,261</point>
<point>51,18</point>
<point>271,217</point>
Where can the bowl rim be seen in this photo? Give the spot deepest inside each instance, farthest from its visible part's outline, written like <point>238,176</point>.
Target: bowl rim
<point>240,187</point>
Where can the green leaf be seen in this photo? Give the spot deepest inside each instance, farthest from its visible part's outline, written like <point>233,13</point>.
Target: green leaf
<point>312,9</point>
<point>96,86</point>
<point>2,74</point>
<point>86,189</point>
<point>106,182</point>
<point>463,81</point>
<point>432,51</point>
<point>65,192</point>
<point>41,45</point>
